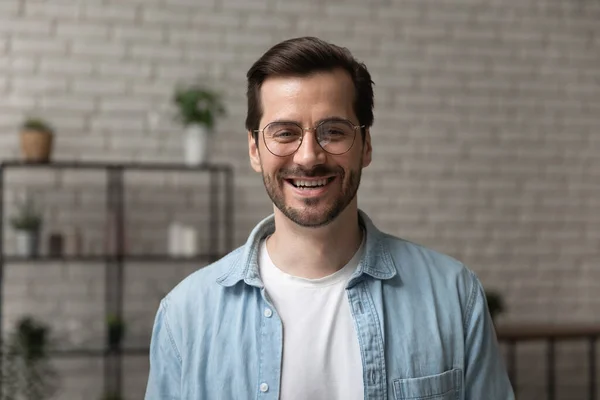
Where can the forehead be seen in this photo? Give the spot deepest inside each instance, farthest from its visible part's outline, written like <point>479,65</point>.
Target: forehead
<point>309,98</point>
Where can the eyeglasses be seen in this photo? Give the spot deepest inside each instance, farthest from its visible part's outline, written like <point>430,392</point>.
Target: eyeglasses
<point>335,136</point>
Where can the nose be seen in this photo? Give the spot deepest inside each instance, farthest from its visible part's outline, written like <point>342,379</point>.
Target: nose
<point>310,152</point>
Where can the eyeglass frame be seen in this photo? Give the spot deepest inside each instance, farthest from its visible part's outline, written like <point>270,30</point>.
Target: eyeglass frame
<point>314,128</point>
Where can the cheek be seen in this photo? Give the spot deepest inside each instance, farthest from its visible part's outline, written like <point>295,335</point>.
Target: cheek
<point>270,166</point>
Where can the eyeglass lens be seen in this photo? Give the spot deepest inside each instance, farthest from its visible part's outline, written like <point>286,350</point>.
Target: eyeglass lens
<point>284,138</point>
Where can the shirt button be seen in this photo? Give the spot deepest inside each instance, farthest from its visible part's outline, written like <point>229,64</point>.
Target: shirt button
<point>264,387</point>
<point>268,313</point>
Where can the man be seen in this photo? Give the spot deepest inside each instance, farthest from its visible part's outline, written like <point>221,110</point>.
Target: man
<point>319,304</point>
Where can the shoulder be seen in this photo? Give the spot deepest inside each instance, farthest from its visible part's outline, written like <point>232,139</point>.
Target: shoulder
<point>415,258</point>
<point>202,284</point>
<point>428,270</point>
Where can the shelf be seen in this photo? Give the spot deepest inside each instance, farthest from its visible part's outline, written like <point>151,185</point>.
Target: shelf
<point>84,353</point>
<point>107,258</point>
<point>120,165</point>
<point>117,260</point>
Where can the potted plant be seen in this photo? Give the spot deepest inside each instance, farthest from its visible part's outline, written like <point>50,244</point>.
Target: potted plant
<point>197,110</point>
<point>26,371</point>
<point>36,140</point>
<point>495,303</point>
<point>27,224</point>
<point>112,396</point>
<point>116,331</point>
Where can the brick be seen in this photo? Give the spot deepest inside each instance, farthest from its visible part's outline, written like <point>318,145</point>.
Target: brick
<point>482,35</point>
<point>39,84</point>
<point>138,33</point>
<point>154,88</point>
<point>10,119</point>
<point>115,13</point>
<point>262,40</point>
<point>411,14</point>
<point>157,53</point>
<point>4,40</point>
<point>67,103</point>
<point>457,15</point>
<point>306,9</point>
<point>154,15</point>
<point>81,29</point>
<point>121,104</point>
<point>97,87</point>
<point>179,73</point>
<point>523,37</point>
<point>123,70</point>
<point>68,11</point>
<point>194,38</point>
<point>245,5</point>
<point>38,46</point>
<point>33,27</point>
<point>347,11</point>
<point>62,65</point>
<point>116,122</point>
<point>217,20</point>
<point>10,8</point>
<point>98,49</point>
<point>190,4</point>
<point>140,143</point>
<point>205,56</point>
<point>18,101</point>
<point>335,26</point>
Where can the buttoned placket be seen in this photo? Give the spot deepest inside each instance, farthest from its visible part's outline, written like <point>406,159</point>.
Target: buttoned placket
<point>370,340</point>
<point>271,350</point>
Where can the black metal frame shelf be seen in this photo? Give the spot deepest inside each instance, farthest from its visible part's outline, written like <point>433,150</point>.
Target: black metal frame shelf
<point>84,353</point>
<point>104,258</point>
<point>220,216</point>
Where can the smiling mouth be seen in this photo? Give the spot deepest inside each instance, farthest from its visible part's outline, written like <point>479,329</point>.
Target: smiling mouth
<point>310,184</point>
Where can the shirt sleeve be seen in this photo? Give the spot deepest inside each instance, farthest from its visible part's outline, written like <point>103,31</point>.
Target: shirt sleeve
<point>485,372</point>
<point>164,380</point>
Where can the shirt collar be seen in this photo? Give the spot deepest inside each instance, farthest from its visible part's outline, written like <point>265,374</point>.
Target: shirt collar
<point>375,262</point>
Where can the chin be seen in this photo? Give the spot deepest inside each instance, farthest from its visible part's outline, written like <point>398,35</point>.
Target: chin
<point>312,216</point>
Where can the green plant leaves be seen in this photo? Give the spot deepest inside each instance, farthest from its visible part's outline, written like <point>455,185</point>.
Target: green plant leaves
<point>198,105</point>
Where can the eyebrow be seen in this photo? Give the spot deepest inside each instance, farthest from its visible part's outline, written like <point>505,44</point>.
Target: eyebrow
<point>326,119</point>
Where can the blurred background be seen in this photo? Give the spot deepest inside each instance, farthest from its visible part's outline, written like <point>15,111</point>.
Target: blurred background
<point>486,147</point>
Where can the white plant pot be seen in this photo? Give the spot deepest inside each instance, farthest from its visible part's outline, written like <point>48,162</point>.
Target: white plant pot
<point>195,145</point>
<point>27,243</point>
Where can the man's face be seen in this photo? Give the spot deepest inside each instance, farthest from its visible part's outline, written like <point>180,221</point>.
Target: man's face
<point>290,180</point>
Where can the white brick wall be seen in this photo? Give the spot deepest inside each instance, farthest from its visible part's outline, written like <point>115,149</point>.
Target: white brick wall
<point>486,140</point>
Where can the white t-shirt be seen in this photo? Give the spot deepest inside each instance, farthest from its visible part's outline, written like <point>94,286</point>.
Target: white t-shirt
<point>321,356</point>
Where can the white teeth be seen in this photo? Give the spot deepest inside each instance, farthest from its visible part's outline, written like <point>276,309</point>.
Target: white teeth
<point>320,182</point>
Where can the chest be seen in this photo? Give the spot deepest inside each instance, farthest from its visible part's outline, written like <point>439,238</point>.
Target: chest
<point>260,345</point>
<point>321,353</point>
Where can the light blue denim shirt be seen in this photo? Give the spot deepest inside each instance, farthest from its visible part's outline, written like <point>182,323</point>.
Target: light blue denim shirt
<point>421,318</point>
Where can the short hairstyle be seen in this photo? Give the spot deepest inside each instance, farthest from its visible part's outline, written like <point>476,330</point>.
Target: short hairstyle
<point>302,57</point>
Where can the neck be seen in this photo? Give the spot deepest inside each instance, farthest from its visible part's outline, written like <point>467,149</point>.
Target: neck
<point>314,253</point>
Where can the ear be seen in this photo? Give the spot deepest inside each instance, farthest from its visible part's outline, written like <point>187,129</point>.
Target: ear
<point>254,153</point>
<point>367,149</point>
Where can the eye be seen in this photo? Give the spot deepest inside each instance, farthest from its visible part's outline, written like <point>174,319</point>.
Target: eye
<point>331,131</point>
<point>335,131</point>
<point>283,134</point>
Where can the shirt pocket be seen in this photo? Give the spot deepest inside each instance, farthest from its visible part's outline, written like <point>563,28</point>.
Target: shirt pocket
<point>444,386</point>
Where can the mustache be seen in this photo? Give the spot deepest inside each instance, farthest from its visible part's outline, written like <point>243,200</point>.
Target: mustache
<point>319,170</point>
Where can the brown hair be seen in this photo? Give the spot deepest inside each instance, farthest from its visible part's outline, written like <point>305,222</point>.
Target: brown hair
<point>301,57</point>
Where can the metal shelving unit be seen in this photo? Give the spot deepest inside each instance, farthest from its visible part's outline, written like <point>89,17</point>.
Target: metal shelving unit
<point>220,217</point>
